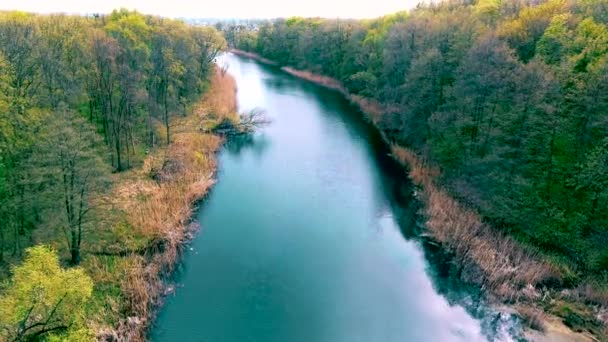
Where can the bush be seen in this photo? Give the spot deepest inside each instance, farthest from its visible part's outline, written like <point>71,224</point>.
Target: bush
<point>45,300</point>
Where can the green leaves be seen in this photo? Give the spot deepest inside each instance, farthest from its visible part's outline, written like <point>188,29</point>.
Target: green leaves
<point>76,94</point>
<point>45,300</point>
<point>556,42</point>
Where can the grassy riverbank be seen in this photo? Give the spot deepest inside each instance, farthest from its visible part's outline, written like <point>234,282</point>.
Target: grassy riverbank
<point>144,222</point>
<point>148,219</point>
<point>102,156</point>
<point>508,271</point>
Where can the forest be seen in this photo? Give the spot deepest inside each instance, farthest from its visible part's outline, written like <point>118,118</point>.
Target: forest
<point>101,157</point>
<point>509,99</point>
<point>86,103</point>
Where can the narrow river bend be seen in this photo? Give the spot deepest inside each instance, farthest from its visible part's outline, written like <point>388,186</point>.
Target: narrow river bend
<point>307,236</point>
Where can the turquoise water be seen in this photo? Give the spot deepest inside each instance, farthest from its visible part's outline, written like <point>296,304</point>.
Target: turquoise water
<point>304,236</point>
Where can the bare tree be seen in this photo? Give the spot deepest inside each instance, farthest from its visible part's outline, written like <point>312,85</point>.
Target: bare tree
<point>71,166</point>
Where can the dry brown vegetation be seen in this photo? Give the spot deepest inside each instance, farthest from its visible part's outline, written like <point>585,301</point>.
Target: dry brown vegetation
<point>372,109</point>
<point>253,55</point>
<point>325,81</point>
<point>532,317</point>
<point>485,256</point>
<point>489,258</point>
<point>157,201</point>
<point>594,293</point>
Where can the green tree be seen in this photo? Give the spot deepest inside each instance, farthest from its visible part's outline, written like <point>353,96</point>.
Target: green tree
<point>45,301</point>
<point>166,72</point>
<point>70,166</point>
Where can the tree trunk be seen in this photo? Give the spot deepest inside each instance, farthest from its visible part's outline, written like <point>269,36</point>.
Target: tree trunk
<point>75,248</point>
<point>1,243</point>
<point>118,158</point>
<point>549,179</point>
<point>166,116</point>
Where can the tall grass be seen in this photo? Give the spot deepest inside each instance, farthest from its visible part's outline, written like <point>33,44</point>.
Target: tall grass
<point>254,56</point>
<point>158,200</point>
<point>501,265</point>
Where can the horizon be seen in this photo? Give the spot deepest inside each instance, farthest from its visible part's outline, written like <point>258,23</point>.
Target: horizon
<point>240,9</point>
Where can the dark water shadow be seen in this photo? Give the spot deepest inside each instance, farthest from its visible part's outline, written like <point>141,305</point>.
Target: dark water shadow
<point>256,142</point>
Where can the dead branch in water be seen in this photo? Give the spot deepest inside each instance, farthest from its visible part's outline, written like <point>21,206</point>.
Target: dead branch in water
<point>248,123</point>
<point>253,120</point>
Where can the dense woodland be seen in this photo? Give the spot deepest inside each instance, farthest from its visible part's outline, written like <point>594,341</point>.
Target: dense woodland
<point>509,98</point>
<point>82,99</point>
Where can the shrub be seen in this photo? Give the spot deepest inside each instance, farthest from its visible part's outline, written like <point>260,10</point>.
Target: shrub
<point>45,300</point>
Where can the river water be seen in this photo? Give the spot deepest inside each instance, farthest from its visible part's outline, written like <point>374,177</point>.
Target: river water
<point>310,235</point>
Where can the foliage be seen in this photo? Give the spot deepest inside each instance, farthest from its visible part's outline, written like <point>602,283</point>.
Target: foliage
<point>80,98</point>
<point>45,300</point>
<point>69,165</point>
<point>77,94</point>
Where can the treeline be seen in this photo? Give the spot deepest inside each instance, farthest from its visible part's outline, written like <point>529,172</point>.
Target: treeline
<point>82,97</point>
<point>509,98</point>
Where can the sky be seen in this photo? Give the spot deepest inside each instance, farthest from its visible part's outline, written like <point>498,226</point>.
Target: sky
<point>221,8</point>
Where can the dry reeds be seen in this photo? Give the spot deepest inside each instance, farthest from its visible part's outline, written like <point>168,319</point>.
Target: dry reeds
<point>324,81</point>
<point>372,109</point>
<point>532,317</point>
<point>253,56</point>
<point>501,265</point>
<point>220,99</point>
<point>159,199</point>
<point>593,293</point>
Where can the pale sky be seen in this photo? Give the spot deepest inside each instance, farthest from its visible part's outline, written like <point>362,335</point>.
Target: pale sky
<point>220,8</point>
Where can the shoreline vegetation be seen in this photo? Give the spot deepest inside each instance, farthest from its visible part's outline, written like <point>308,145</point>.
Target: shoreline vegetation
<point>159,199</point>
<point>108,140</point>
<point>508,272</point>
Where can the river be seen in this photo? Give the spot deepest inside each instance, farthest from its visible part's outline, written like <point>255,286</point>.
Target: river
<point>310,235</point>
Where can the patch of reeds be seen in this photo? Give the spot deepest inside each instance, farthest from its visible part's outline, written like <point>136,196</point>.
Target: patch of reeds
<point>499,264</point>
<point>373,110</point>
<point>254,56</point>
<point>158,200</point>
<point>324,81</point>
<point>532,317</point>
<point>593,292</point>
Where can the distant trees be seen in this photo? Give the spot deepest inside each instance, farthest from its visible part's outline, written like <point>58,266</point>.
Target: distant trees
<point>510,98</point>
<point>77,94</point>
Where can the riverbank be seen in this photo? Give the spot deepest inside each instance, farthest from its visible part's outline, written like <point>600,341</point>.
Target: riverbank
<point>372,109</point>
<point>508,272</point>
<point>253,56</point>
<point>149,214</point>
